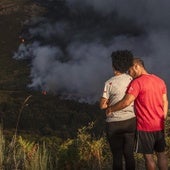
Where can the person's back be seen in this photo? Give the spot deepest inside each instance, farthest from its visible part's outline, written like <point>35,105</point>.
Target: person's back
<point>115,89</point>
<point>149,104</point>
<point>121,125</point>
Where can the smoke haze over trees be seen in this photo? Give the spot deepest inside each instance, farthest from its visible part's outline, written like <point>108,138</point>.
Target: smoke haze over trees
<point>69,47</point>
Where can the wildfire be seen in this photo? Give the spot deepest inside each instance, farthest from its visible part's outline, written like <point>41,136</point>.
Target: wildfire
<point>22,39</point>
<point>44,92</point>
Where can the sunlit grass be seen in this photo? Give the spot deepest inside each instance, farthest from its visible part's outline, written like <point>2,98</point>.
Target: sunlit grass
<point>83,152</point>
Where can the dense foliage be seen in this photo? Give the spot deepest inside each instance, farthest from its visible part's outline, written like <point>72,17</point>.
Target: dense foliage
<point>85,151</point>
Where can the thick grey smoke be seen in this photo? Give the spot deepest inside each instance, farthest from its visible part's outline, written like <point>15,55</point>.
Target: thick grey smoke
<point>70,55</point>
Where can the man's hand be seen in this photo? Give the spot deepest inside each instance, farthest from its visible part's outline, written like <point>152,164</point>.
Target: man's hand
<point>108,111</point>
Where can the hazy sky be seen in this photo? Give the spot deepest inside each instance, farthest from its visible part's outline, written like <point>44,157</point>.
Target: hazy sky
<point>70,53</point>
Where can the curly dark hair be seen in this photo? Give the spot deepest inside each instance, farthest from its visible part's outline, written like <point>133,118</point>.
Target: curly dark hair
<point>122,60</point>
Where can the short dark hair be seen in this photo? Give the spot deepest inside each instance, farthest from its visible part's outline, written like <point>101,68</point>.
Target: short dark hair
<point>139,61</point>
<point>122,60</point>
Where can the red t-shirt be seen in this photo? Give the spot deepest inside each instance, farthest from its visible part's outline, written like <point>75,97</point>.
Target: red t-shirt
<point>148,90</point>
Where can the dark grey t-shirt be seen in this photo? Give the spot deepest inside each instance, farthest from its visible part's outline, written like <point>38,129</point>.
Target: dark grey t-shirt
<point>114,90</point>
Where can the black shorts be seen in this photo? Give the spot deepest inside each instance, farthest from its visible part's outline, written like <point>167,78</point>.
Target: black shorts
<point>148,142</point>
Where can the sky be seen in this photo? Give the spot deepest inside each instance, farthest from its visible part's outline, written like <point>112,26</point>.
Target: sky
<point>69,50</point>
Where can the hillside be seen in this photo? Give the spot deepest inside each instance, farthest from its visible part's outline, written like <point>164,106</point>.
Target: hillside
<point>43,114</point>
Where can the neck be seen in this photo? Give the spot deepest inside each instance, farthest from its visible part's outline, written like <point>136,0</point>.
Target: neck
<point>117,73</point>
<point>144,72</point>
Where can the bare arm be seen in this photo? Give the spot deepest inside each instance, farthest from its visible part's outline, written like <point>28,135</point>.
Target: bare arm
<point>103,103</point>
<point>126,101</point>
<point>165,105</point>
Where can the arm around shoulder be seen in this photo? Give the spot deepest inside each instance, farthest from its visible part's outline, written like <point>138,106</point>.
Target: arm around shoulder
<point>126,101</point>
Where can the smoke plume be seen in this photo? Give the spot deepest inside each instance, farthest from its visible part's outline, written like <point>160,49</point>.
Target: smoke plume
<point>70,49</point>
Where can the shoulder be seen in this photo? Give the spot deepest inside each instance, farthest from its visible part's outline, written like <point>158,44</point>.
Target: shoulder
<point>110,81</point>
<point>128,76</point>
<point>141,78</point>
<point>158,79</point>
<point>136,83</point>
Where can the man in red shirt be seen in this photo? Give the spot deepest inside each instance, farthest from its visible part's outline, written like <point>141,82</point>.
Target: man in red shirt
<point>149,94</point>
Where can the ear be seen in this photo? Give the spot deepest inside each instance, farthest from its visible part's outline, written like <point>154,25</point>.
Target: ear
<point>136,66</point>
